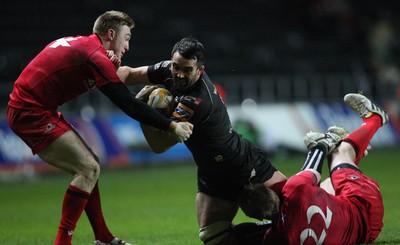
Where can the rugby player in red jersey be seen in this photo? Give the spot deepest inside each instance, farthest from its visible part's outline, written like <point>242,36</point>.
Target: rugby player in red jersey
<point>63,70</point>
<point>306,213</point>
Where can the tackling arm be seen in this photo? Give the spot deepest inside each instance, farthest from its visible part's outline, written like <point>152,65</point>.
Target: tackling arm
<point>159,141</point>
<point>132,76</point>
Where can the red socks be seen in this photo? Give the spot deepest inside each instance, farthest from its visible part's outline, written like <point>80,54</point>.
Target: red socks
<point>95,215</point>
<point>361,137</point>
<point>74,202</point>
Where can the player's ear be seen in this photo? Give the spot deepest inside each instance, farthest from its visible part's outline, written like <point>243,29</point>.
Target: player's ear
<point>111,34</point>
<point>201,69</point>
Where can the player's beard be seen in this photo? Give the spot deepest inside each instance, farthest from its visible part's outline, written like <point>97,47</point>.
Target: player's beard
<point>183,84</point>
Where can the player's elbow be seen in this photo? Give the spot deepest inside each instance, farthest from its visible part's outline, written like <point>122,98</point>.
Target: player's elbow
<point>158,149</point>
<point>159,141</point>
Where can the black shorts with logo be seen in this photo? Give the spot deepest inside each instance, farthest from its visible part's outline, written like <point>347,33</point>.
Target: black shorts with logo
<point>227,183</point>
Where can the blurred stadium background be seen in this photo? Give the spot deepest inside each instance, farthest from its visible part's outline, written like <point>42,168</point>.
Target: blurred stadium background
<point>282,66</point>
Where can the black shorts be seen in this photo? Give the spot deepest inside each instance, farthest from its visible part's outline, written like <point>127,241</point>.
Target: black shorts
<point>227,183</point>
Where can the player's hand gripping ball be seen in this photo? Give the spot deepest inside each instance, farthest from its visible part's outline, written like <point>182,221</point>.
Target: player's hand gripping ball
<point>161,100</point>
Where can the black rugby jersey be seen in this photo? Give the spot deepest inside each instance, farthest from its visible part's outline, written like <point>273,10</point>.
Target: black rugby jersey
<point>213,144</point>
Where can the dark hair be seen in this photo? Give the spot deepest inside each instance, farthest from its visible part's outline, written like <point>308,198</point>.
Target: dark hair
<point>112,20</point>
<point>259,202</point>
<point>190,48</point>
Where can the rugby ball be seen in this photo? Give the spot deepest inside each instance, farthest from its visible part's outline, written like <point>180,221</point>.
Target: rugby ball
<point>161,100</point>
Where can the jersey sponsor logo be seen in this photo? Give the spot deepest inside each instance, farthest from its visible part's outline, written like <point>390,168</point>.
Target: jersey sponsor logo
<point>188,98</point>
<point>183,113</point>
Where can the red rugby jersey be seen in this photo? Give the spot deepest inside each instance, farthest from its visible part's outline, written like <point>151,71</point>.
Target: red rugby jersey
<point>309,215</point>
<point>64,69</point>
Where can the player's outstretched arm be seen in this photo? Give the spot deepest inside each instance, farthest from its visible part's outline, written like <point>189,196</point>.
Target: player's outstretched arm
<point>133,75</point>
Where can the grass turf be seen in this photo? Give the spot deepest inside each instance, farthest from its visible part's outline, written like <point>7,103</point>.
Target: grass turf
<point>155,205</point>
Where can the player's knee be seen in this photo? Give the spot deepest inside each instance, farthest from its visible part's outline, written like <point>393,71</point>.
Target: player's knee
<point>93,171</point>
<point>345,150</point>
<point>215,233</point>
<point>96,157</point>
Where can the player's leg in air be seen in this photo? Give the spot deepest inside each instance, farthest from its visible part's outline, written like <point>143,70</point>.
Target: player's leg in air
<point>366,109</point>
<point>347,157</point>
<point>373,118</point>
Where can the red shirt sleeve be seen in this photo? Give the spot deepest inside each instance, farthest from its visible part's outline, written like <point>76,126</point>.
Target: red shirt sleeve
<point>303,177</point>
<point>104,70</point>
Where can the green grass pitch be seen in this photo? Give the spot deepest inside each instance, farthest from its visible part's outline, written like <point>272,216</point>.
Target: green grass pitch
<point>156,205</point>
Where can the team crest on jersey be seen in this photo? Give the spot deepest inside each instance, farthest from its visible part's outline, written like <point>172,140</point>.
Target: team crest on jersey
<point>91,83</point>
<point>49,128</point>
<point>182,113</point>
<point>191,99</point>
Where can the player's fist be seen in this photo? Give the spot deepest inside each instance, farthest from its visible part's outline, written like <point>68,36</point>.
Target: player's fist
<point>114,58</point>
<point>182,130</point>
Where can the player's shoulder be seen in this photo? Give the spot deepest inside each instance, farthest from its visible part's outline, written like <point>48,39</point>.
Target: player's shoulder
<point>198,96</point>
<point>162,67</point>
<point>160,72</point>
<point>68,41</point>
<point>296,186</point>
<point>162,64</point>
<point>92,43</point>
<point>83,45</point>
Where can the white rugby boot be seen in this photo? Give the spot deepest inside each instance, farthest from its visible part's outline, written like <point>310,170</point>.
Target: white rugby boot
<point>330,140</point>
<point>365,107</point>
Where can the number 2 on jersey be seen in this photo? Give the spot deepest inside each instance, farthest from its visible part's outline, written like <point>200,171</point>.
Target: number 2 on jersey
<point>311,211</point>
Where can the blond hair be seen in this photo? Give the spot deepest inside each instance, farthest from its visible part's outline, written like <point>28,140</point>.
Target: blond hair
<point>112,20</point>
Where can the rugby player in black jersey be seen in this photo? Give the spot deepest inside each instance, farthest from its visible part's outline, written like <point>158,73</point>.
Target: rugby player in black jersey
<point>226,161</point>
